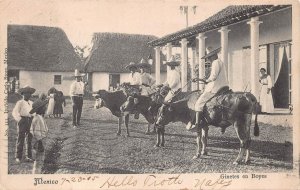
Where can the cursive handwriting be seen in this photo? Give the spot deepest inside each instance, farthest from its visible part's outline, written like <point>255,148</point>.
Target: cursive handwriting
<point>154,181</point>
<point>212,184</point>
<point>113,182</point>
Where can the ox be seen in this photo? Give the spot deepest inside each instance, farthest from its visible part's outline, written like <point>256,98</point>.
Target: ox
<point>113,101</point>
<point>223,110</point>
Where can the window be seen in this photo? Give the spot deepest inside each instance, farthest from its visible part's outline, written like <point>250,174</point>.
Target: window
<point>57,79</point>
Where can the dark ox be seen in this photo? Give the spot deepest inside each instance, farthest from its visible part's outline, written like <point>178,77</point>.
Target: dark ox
<point>141,104</point>
<point>221,111</point>
<point>112,101</point>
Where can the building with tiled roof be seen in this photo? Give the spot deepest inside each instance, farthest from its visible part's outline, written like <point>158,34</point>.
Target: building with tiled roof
<point>251,37</point>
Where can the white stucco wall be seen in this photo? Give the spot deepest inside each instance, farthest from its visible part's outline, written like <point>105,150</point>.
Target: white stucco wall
<point>100,81</point>
<point>276,27</point>
<point>43,81</point>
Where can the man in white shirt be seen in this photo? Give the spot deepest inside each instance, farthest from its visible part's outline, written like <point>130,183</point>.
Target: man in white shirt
<point>21,114</point>
<point>216,80</point>
<point>134,76</point>
<point>146,80</point>
<point>76,93</point>
<point>173,78</point>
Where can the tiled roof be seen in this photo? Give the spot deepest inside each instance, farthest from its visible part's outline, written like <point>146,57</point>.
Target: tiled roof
<point>227,16</point>
<point>40,48</point>
<point>111,52</point>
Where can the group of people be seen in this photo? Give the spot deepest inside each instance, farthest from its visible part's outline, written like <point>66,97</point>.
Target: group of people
<point>56,103</point>
<point>30,115</point>
<point>31,124</point>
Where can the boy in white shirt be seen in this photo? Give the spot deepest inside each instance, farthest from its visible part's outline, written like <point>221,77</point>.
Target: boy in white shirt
<point>21,114</point>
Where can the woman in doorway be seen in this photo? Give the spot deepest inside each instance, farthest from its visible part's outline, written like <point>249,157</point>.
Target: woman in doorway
<point>265,97</point>
<point>51,94</point>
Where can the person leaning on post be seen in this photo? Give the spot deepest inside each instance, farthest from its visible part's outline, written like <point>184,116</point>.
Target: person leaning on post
<point>21,114</point>
<point>76,93</point>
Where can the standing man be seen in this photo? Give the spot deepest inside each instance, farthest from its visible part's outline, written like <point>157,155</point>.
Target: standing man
<point>76,93</point>
<point>173,78</point>
<point>24,118</point>
<point>216,80</point>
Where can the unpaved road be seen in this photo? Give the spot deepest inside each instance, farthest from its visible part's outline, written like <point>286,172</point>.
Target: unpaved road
<point>94,147</point>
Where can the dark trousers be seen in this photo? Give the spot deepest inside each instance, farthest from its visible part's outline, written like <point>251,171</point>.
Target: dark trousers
<point>24,132</point>
<point>77,109</point>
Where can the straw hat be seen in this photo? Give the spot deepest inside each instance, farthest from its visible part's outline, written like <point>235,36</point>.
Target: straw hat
<point>143,64</point>
<point>26,89</point>
<point>131,65</point>
<point>210,52</point>
<point>173,61</point>
<point>78,74</point>
<point>37,105</point>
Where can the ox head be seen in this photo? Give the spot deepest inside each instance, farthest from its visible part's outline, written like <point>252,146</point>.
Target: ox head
<point>165,114</point>
<point>98,100</point>
<point>130,105</point>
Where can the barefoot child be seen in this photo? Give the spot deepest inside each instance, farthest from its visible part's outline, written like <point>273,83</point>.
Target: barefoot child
<point>39,131</point>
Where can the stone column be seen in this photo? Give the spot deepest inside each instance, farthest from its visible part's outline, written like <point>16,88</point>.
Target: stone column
<point>224,46</point>
<point>157,65</point>
<point>169,54</point>
<point>184,61</point>
<point>201,39</point>
<point>254,35</point>
<point>193,64</point>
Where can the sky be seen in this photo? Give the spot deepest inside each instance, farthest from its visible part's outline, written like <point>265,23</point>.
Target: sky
<point>81,18</point>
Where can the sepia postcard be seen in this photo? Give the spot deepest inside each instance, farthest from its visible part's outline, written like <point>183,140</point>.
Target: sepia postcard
<point>157,94</point>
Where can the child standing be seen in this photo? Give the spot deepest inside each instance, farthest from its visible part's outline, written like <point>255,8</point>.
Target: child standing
<point>23,117</point>
<point>59,102</point>
<point>39,131</point>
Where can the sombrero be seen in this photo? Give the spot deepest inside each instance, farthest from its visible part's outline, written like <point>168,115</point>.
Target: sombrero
<point>78,74</point>
<point>173,61</point>
<point>26,89</point>
<point>211,52</point>
<point>143,64</point>
<point>131,65</point>
<point>37,105</point>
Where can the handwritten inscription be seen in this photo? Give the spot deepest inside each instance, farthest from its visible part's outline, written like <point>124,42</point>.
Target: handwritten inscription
<point>154,181</point>
<point>113,182</point>
<point>212,184</point>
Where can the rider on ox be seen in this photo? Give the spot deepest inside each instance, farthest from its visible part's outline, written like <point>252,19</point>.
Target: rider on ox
<point>173,78</point>
<point>134,78</point>
<point>216,80</point>
<point>146,80</point>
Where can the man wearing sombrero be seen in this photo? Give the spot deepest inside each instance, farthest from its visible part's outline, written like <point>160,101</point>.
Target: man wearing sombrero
<point>173,78</point>
<point>216,80</point>
<point>76,93</point>
<point>146,80</point>
<point>21,114</point>
<point>134,76</point>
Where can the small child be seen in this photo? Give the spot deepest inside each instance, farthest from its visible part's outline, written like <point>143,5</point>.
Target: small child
<point>59,102</point>
<point>39,131</point>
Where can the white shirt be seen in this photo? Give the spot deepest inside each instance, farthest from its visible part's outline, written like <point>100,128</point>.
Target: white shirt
<point>134,78</point>
<point>39,127</point>
<point>218,77</point>
<point>173,80</point>
<point>77,88</point>
<point>22,108</point>
<point>146,78</point>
